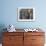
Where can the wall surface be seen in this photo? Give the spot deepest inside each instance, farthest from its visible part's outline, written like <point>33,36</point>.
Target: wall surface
<point>8,13</point>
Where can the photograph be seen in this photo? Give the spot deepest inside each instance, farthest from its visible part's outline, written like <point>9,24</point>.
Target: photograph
<point>26,14</point>
<point>22,23</point>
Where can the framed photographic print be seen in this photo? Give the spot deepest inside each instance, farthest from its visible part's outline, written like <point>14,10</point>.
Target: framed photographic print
<point>26,14</point>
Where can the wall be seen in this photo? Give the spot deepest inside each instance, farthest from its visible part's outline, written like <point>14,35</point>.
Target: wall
<point>9,13</point>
